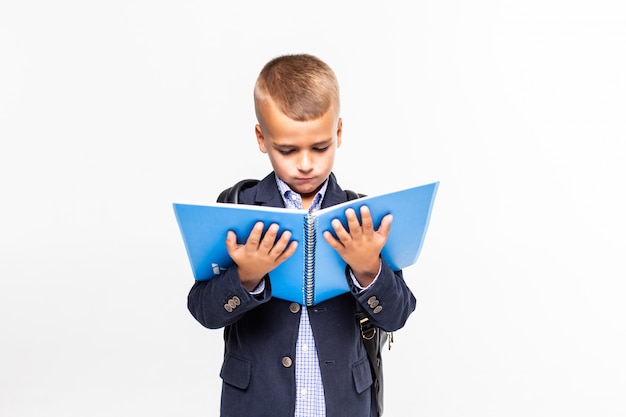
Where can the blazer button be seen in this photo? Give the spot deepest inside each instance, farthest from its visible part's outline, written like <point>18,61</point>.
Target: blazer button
<point>228,308</point>
<point>294,307</point>
<point>287,361</point>
<point>378,309</point>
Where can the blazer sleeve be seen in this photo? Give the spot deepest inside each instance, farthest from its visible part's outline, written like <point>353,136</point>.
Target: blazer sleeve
<point>388,302</point>
<point>222,300</point>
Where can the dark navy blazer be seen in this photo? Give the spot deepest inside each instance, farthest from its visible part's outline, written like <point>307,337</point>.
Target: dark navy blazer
<point>260,332</point>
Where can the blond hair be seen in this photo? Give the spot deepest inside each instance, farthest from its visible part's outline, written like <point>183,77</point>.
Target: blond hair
<point>302,86</point>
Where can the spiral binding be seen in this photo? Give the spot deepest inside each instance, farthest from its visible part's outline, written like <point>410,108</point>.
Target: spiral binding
<point>309,259</point>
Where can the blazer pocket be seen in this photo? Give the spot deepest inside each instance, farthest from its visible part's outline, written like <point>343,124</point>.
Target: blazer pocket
<point>362,375</point>
<point>236,371</point>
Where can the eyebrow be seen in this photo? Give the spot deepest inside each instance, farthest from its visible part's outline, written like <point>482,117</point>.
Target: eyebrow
<point>325,142</point>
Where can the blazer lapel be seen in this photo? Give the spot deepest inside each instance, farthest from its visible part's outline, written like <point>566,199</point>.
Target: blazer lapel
<point>334,194</point>
<point>267,192</point>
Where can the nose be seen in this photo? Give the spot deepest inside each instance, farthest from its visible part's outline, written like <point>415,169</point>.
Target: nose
<point>305,162</point>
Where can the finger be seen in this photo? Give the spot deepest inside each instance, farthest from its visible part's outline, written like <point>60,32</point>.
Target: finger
<point>231,242</point>
<point>385,226</point>
<point>255,236</point>
<point>270,237</point>
<point>367,223</point>
<point>330,239</point>
<point>281,243</point>
<point>340,231</point>
<point>353,223</point>
<point>291,249</point>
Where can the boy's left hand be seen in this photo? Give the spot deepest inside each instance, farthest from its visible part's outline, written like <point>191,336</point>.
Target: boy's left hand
<point>360,245</point>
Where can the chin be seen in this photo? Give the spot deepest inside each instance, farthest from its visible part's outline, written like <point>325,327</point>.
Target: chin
<point>307,190</point>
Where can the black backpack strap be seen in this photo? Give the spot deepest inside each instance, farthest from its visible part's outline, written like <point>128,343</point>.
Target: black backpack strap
<point>353,195</point>
<point>231,194</point>
<point>373,338</point>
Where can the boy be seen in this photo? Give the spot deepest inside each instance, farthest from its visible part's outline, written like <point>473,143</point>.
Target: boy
<point>283,359</point>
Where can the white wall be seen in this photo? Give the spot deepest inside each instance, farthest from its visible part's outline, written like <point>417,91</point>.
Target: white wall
<point>110,111</point>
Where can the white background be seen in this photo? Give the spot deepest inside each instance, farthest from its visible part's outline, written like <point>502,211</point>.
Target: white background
<point>112,110</point>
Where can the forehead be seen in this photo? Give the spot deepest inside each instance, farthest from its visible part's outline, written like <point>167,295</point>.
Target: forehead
<point>281,129</point>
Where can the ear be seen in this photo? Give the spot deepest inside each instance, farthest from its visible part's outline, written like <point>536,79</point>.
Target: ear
<point>339,130</point>
<point>260,138</point>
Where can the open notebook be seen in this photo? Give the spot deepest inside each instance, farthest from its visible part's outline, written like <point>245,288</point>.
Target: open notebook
<point>315,272</point>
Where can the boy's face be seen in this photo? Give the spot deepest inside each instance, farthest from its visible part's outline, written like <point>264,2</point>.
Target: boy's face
<point>302,153</point>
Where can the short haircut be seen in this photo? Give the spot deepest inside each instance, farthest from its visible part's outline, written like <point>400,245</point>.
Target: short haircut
<point>302,86</point>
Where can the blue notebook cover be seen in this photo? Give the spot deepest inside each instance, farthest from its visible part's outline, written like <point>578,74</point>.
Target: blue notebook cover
<point>204,226</point>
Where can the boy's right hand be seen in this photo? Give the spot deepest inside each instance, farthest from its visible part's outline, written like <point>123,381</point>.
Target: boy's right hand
<point>258,256</point>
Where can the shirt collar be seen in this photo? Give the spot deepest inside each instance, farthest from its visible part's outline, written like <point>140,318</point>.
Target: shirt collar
<point>294,200</point>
